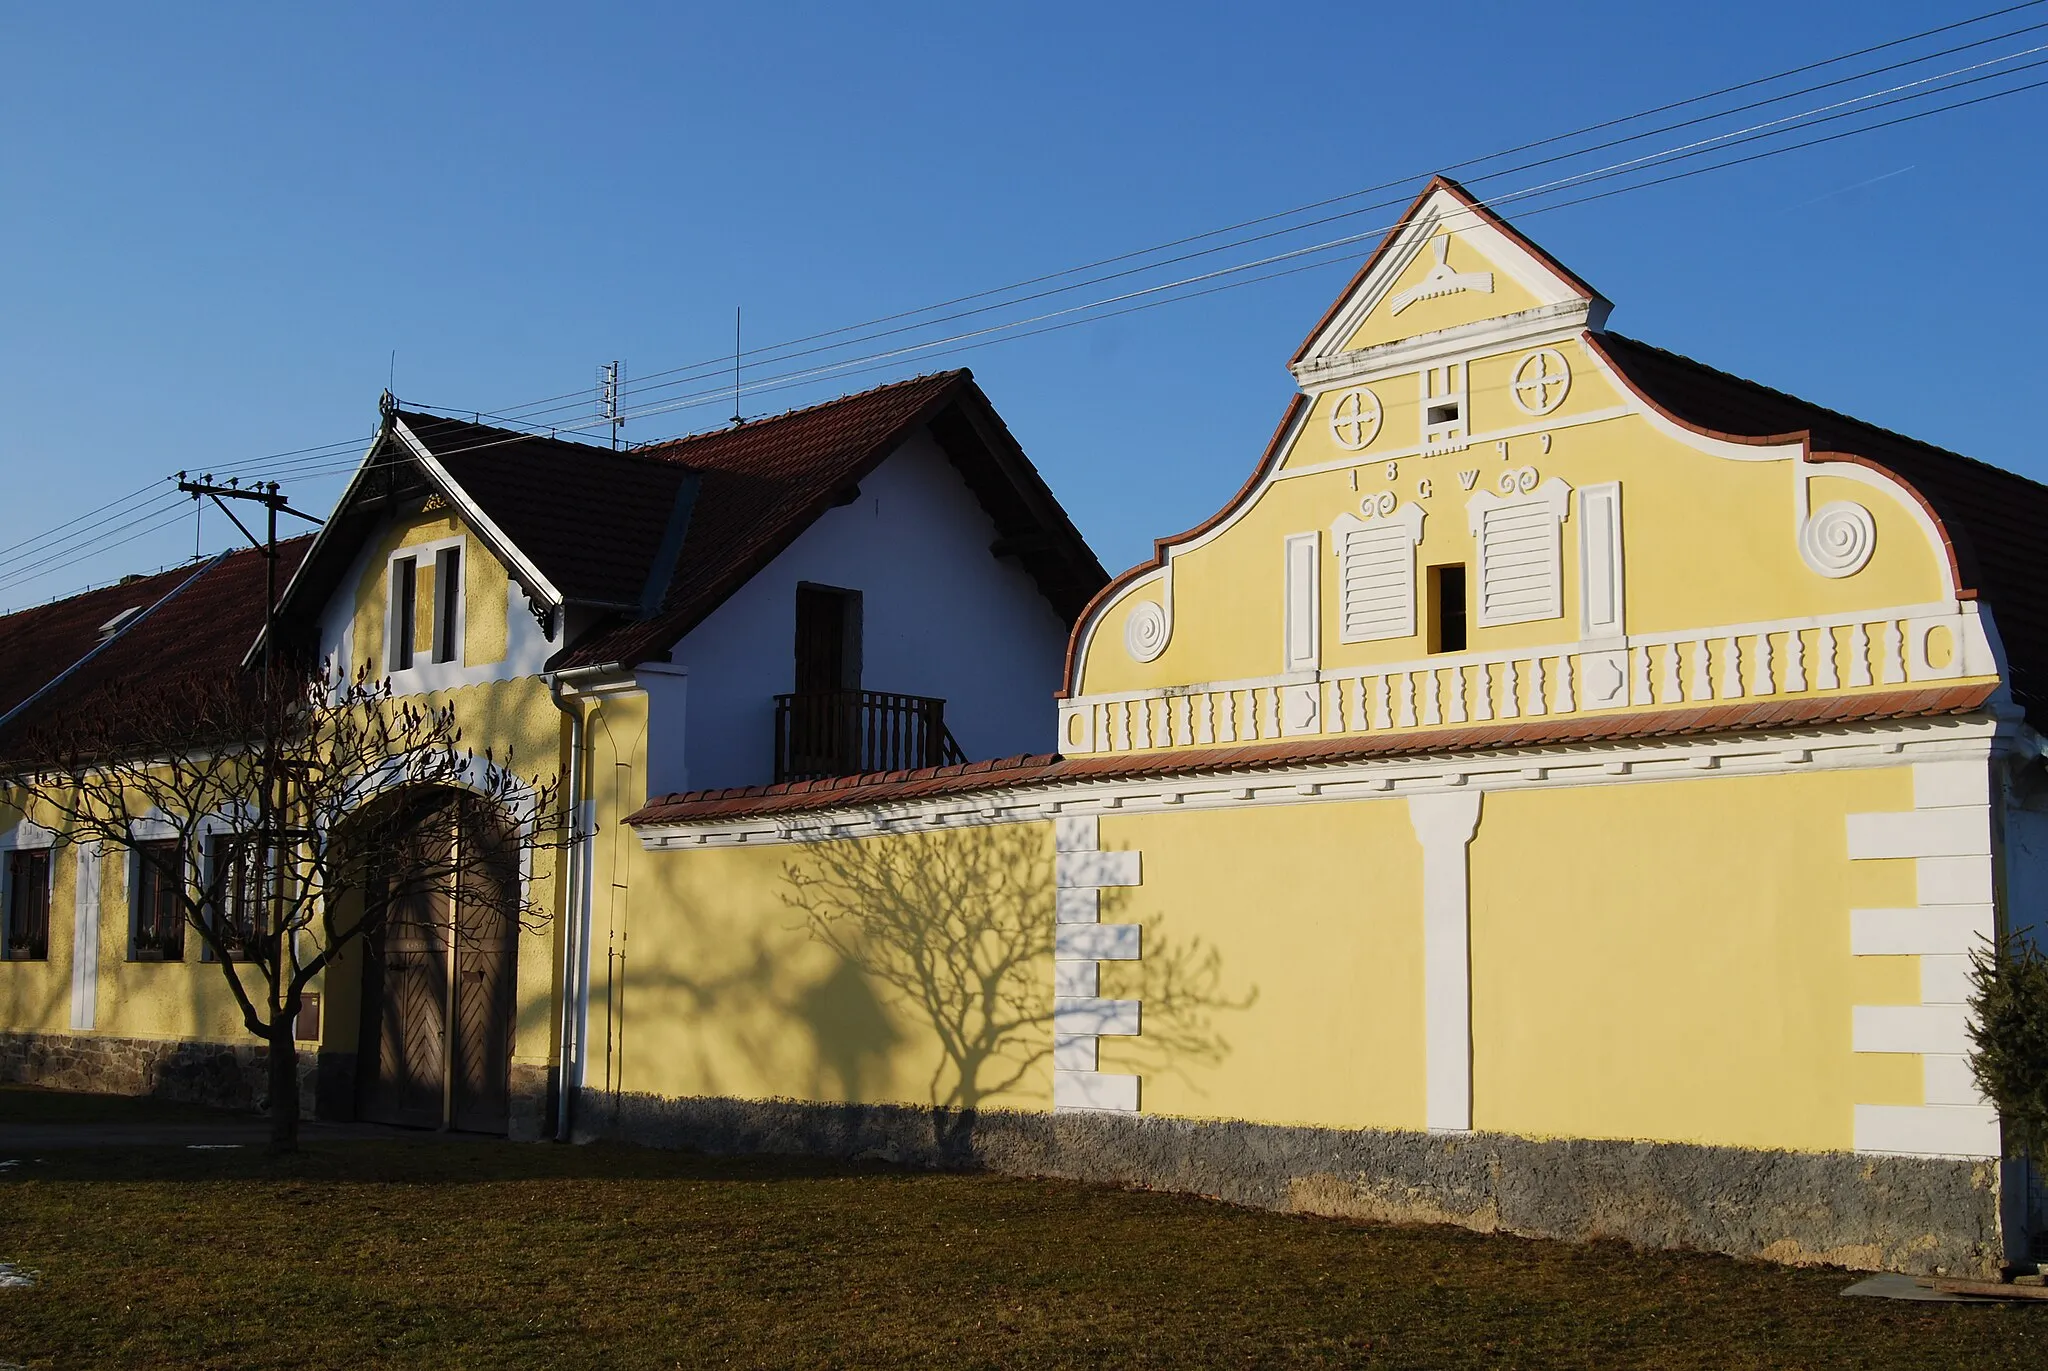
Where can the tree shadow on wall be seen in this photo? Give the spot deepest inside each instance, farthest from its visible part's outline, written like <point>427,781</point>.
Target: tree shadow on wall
<point>954,931</point>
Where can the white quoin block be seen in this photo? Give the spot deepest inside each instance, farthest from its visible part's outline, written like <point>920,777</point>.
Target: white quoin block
<point>1076,869</point>
<point>1910,1028</point>
<point>1094,1090</point>
<point>1946,1079</point>
<point>1076,1015</point>
<point>1077,906</point>
<point>1937,930</point>
<point>1073,978</point>
<point>1074,1053</point>
<point>1104,942</point>
<point>1941,785</point>
<point>1953,880</point>
<point>1964,832</point>
<point>1933,1130</point>
<point>1945,980</point>
<point>1075,833</point>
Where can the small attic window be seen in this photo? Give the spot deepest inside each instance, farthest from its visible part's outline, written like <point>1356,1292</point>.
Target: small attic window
<point>119,622</point>
<point>1440,415</point>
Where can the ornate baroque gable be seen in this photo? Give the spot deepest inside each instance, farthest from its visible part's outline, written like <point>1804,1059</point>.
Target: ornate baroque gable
<point>1475,515</point>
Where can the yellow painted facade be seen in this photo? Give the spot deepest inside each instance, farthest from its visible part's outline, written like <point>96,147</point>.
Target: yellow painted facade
<point>1652,940</point>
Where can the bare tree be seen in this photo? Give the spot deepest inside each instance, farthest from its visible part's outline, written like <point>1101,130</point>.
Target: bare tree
<point>280,825</point>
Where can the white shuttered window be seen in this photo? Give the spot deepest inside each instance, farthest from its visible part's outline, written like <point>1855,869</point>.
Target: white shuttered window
<point>1376,574</point>
<point>1521,553</point>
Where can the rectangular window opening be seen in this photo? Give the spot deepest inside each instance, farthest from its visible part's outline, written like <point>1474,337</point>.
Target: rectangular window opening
<point>405,589</point>
<point>448,604</point>
<point>159,901</point>
<point>236,896</point>
<point>1441,415</point>
<point>1447,613</point>
<point>28,905</point>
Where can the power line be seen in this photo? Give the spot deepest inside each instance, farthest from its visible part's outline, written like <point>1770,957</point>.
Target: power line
<point>319,459</point>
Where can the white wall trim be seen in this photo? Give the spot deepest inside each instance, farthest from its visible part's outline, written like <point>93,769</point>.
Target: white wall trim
<point>1444,824</point>
<point>1624,762</point>
<point>85,939</point>
<point>1947,837</point>
<point>1080,1017</point>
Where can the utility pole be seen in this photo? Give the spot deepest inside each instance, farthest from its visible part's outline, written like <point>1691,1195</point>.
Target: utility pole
<point>270,833</point>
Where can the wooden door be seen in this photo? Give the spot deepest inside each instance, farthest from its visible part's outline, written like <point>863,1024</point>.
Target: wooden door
<point>439,989</point>
<point>485,993</point>
<point>820,639</point>
<point>402,1070</point>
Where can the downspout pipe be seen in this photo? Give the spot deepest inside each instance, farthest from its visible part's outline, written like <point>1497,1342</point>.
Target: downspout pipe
<point>575,905</point>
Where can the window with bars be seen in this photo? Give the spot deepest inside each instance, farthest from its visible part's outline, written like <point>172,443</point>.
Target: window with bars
<point>28,904</point>
<point>236,891</point>
<point>159,901</point>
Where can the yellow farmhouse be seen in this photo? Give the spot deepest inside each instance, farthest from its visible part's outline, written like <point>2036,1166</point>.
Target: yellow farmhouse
<point>1559,792</point>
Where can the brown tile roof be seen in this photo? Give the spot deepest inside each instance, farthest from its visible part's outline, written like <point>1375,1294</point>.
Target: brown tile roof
<point>1760,716</point>
<point>766,481</point>
<point>1996,522</point>
<point>596,522</point>
<point>206,628</point>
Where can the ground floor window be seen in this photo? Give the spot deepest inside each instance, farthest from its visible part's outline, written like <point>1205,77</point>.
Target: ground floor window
<point>28,904</point>
<point>236,895</point>
<point>159,901</point>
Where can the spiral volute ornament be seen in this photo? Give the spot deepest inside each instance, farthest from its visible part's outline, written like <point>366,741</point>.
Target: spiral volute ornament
<point>1838,538</point>
<point>1145,631</point>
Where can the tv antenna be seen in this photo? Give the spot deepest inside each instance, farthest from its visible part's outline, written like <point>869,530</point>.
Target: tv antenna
<point>608,398</point>
<point>736,417</point>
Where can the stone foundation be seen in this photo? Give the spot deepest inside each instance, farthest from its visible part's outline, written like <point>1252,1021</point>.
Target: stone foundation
<point>1871,1213</point>
<point>224,1075</point>
<point>531,1117</point>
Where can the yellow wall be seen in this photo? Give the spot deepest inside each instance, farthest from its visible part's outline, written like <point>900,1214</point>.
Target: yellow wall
<point>726,991</point>
<point>485,632</point>
<point>1671,960</point>
<point>1313,1013</point>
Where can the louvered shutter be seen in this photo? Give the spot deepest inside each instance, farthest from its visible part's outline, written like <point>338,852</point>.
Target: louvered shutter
<point>1521,561</point>
<point>1376,575</point>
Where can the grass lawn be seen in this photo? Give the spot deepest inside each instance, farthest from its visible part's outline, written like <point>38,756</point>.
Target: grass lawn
<point>381,1254</point>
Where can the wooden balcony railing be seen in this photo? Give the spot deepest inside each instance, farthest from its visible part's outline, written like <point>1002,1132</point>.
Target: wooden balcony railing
<point>850,732</point>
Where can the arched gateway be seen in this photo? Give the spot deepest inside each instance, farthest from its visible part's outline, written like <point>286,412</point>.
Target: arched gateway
<point>439,980</point>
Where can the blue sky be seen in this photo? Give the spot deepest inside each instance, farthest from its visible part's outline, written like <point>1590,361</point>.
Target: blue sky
<point>217,223</point>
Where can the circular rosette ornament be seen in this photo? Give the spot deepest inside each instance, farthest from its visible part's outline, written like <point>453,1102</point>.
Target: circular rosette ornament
<point>1145,631</point>
<point>1838,538</point>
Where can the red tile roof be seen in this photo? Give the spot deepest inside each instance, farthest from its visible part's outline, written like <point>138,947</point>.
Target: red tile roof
<point>205,629</point>
<point>596,522</point>
<point>1762,716</point>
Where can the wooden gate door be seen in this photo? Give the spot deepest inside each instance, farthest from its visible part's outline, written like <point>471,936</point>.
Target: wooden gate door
<point>439,988</point>
<point>486,950</point>
<point>402,1073</point>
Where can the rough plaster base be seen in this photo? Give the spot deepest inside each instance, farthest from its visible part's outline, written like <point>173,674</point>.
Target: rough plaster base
<point>1872,1213</point>
<point>225,1075</point>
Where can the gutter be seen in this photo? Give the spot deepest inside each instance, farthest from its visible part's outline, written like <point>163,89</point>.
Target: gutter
<point>116,636</point>
<point>575,904</point>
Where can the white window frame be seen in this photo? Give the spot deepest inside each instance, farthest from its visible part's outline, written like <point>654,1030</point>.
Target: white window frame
<point>1553,500</point>
<point>27,836</point>
<point>427,673</point>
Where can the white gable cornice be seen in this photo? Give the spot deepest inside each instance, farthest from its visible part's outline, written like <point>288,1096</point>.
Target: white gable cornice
<point>1545,324</point>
